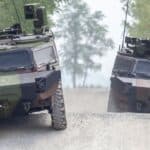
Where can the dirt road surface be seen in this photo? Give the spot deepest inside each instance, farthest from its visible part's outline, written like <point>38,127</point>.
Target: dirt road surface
<point>89,127</point>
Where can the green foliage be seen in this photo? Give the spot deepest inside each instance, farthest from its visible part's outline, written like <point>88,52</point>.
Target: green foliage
<point>84,37</point>
<point>140,11</point>
<point>8,14</point>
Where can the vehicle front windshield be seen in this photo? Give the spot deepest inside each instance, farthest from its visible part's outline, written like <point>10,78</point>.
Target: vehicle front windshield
<point>123,66</point>
<point>143,68</point>
<point>14,60</point>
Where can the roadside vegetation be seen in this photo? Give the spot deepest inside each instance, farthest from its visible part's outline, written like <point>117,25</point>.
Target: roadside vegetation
<point>139,10</point>
<point>11,10</point>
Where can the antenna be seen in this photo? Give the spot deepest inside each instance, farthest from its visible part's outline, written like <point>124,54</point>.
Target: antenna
<point>125,23</point>
<point>16,11</point>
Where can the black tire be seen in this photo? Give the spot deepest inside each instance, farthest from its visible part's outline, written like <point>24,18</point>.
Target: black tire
<point>112,106</point>
<point>58,114</point>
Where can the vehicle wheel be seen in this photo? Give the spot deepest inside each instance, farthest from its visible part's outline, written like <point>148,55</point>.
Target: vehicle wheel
<point>58,114</point>
<point>112,106</point>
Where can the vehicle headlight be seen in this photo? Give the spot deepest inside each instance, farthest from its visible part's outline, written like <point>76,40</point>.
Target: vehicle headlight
<point>41,84</point>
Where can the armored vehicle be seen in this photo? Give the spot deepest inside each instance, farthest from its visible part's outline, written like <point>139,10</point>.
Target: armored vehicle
<point>130,80</point>
<point>30,76</point>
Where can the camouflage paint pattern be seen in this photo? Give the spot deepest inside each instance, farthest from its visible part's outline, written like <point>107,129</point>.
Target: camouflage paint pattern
<point>132,93</point>
<point>10,93</point>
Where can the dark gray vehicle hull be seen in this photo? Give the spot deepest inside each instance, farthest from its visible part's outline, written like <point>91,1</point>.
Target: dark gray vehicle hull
<point>35,91</point>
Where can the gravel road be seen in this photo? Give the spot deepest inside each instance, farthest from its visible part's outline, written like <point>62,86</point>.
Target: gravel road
<point>89,127</point>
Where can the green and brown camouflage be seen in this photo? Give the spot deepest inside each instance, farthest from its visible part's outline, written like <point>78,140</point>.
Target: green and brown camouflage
<point>130,80</point>
<point>19,93</point>
<point>10,93</point>
<point>30,76</point>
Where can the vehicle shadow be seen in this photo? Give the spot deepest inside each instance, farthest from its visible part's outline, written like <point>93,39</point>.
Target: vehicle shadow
<point>33,123</point>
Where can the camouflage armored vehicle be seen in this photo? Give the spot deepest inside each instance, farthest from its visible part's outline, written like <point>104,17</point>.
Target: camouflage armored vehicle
<point>30,77</point>
<point>130,80</point>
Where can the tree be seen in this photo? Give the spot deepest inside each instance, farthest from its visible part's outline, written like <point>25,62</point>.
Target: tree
<point>140,12</point>
<point>8,9</point>
<point>85,39</point>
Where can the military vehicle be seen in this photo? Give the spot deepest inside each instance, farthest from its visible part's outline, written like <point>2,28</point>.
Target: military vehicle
<point>30,76</point>
<point>130,80</point>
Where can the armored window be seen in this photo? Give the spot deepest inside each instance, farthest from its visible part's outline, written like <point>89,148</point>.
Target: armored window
<point>143,67</point>
<point>15,60</point>
<point>124,64</point>
<point>45,55</point>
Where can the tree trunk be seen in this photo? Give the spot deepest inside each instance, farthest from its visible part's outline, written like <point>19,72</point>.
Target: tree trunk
<point>84,78</point>
<point>75,57</point>
<point>74,74</point>
<point>74,79</point>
